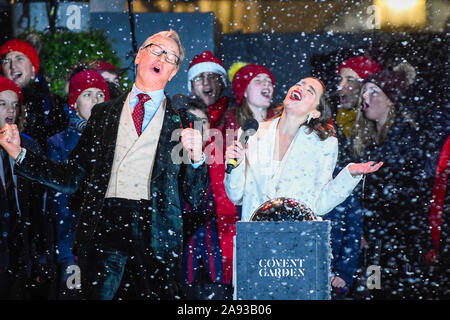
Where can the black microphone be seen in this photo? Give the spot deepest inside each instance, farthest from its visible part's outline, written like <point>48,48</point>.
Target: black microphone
<point>248,129</point>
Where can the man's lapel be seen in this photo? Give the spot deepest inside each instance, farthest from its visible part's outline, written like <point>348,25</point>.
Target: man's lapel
<point>163,160</point>
<point>111,127</point>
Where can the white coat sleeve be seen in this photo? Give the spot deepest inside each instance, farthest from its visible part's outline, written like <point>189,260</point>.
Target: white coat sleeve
<point>334,191</point>
<point>234,182</point>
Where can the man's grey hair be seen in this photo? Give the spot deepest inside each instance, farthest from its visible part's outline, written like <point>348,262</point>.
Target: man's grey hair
<point>172,34</point>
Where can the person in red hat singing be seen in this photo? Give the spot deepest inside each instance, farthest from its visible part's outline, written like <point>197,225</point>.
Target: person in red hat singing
<point>20,62</point>
<point>11,101</point>
<point>44,118</point>
<point>351,72</point>
<point>206,82</point>
<point>253,86</point>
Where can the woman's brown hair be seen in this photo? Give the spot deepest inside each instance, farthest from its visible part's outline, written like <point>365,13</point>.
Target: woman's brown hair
<point>243,112</point>
<point>322,126</point>
<point>365,131</point>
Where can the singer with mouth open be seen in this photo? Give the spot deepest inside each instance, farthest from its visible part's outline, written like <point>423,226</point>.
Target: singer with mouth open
<point>293,155</point>
<point>130,222</point>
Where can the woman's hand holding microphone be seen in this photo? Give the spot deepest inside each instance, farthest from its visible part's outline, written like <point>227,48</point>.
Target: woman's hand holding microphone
<point>234,153</point>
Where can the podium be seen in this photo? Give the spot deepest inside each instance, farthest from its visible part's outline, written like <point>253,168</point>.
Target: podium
<point>282,260</point>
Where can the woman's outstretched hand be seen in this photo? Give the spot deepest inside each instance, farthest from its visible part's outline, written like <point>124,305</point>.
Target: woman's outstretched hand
<point>10,139</point>
<point>364,168</point>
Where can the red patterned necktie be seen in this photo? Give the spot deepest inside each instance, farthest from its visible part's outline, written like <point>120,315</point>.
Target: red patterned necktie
<point>138,112</point>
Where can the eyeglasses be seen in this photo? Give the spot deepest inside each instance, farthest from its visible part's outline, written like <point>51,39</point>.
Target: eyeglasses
<point>207,76</point>
<point>171,58</point>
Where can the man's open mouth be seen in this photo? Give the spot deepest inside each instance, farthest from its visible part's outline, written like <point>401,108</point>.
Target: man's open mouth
<point>16,75</point>
<point>208,93</point>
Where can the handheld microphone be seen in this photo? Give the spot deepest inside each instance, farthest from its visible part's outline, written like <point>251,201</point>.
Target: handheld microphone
<point>248,129</point>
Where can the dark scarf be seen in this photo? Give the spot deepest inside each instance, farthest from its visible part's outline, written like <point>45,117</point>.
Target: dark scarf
<point>35,122</point>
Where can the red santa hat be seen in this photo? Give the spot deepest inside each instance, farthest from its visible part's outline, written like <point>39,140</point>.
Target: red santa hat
<point>84,80</point>
<point>24,47</point>
<point>206,62</point>
<point>101,66</point>
<point>364,66</point>
<point>242,79</point>
<point>6,84</point>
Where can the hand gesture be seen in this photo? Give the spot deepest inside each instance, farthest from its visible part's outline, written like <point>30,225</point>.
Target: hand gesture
<point>364,168</point>
<point>338,282</point>
<point>10,139</point>
<point>192,142</point>
<point>234,151</point>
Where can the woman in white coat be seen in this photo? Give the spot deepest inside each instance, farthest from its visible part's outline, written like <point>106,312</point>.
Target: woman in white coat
<point>293,156</point>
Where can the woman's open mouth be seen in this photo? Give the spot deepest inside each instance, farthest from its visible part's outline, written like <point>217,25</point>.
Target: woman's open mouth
<point>296,95</point>
<point>9,120</point>
<point>365,106</point>
<point>266,93</point>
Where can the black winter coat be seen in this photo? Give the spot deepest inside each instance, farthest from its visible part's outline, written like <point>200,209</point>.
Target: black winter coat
<point>395,203</point>
<point>89,169</point>
<point>26,240</point>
